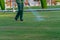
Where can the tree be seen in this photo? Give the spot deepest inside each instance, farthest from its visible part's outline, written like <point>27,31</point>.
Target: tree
<point>2,4</point>
<point>43,4</point>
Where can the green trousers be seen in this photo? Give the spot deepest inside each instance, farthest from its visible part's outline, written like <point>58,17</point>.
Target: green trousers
<point>20,11</point>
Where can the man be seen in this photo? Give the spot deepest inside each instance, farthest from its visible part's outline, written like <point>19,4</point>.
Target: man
<point>20,5</point>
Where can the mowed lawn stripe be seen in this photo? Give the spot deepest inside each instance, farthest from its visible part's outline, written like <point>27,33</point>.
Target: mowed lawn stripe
<point>30,29</point>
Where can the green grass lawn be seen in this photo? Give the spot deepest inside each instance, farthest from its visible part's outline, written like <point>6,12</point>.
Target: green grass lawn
<point>30,28</point>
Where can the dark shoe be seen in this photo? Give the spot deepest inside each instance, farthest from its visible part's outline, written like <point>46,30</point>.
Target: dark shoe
<point>16,19</point>
<point>21,19</point>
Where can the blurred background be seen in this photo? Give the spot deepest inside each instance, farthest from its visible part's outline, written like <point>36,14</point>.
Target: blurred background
<point>12,3</point>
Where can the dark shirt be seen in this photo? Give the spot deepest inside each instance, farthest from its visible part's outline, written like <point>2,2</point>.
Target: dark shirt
<point>19,1</point>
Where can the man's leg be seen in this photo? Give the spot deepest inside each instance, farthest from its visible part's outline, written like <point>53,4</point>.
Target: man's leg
<point>21,12</point>
<point>18,13</point>
<point>21,15</point>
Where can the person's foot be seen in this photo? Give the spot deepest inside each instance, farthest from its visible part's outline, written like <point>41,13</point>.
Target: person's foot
<point>16,19</point>
<point>21,19</point>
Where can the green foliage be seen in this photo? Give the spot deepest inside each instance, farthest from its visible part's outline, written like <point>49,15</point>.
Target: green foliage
<point>57,0</point>
<point>2,4</point>
<point>43,3</point>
